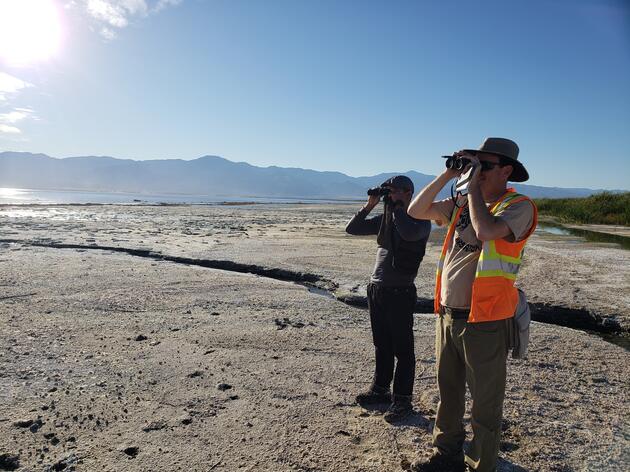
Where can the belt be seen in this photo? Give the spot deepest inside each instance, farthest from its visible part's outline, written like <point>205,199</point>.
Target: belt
<point>455,313</point>
<point>394,288</point>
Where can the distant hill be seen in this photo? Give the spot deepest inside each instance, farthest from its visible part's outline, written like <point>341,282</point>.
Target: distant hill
<point>207,175</point>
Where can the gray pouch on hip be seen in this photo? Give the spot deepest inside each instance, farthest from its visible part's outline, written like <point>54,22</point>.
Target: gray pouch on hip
<point>522,319</point>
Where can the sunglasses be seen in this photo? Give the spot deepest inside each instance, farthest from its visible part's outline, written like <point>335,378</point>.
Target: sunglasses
<point>485,165</point>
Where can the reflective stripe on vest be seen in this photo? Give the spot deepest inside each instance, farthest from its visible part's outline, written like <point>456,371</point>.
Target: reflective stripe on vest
<point>493,264</point>
<point>440,265</point>
<point>451,230</point>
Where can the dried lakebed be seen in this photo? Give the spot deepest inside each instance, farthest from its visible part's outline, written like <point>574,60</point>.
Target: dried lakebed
<point>111,361</point>
<point>580,285</point>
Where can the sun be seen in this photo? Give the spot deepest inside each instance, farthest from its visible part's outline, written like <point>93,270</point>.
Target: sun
<point>30,30</point>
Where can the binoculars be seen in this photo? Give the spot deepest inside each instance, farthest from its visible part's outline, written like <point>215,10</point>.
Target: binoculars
<point>380,191</point>
<point>457,163</point>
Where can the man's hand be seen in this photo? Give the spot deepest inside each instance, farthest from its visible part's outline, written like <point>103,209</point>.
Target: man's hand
<point>474,179</point>
<point>372,202</point>
<point>454,173</point>
<point>450,174</point>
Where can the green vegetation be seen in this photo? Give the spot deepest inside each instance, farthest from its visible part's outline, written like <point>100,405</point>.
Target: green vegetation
<point>605,208</point>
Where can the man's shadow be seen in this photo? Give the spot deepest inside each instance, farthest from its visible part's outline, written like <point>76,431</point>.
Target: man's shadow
<point>507,466</point>
<point>376,407</point>
<point>419,418</point>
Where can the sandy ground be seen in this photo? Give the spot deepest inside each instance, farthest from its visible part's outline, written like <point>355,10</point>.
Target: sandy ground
<point>111,361</point>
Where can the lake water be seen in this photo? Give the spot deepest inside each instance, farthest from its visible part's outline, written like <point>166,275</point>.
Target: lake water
<point>15,196</point>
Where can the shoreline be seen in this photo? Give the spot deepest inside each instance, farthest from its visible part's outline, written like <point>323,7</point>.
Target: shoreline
<point>613,230</point>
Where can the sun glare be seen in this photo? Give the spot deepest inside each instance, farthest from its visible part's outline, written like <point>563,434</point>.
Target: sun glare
<point>30,30</point>
<point>10,192</point>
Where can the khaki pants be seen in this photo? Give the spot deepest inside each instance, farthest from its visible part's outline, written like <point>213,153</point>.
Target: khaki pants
<point>472,353</point>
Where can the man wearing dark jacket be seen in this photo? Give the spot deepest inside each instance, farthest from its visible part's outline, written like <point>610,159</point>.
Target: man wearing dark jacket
<point>392,294</point>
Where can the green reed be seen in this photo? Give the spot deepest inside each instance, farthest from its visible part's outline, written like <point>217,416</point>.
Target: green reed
<point>606,208</point>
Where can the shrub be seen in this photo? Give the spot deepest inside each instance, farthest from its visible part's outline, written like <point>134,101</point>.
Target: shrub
<point>601,208</point>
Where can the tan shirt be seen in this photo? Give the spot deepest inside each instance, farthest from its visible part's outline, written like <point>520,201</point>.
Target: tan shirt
<point>462,255</point>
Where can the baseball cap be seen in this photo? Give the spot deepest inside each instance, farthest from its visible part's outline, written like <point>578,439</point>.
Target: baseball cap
<point>399,181</point>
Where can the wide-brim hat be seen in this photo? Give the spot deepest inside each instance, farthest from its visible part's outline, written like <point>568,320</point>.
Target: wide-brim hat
<point>507,149</point>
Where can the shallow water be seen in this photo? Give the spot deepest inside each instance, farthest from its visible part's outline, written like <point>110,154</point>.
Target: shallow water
<point>585,235</point>
<point>17,196</point>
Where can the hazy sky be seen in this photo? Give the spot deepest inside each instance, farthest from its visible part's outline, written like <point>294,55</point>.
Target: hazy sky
<point>357,86</point>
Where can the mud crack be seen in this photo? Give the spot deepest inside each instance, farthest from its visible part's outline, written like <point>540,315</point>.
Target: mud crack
<point>302,278</point>
<point>576,318</point>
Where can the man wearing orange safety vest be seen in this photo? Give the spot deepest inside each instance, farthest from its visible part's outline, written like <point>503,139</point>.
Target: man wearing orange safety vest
<point>475,299</point>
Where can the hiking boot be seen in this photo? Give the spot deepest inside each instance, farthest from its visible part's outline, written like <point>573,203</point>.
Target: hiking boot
<point>374,396</point>
<point>439,463</point>
<point>399,410</point>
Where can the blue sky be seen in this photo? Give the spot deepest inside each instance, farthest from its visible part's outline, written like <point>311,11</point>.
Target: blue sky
<point>360,87</point>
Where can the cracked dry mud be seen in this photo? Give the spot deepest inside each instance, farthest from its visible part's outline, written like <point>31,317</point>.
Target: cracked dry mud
<point>110,361</point>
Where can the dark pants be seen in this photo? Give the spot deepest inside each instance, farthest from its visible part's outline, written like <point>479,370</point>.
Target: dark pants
<point>391,316</point>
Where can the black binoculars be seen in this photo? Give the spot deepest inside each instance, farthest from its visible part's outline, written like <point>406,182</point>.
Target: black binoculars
<point>457,163</point>
<point>380,191</point>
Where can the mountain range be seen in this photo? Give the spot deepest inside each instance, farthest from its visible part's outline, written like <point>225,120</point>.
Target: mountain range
<point>207,175</point>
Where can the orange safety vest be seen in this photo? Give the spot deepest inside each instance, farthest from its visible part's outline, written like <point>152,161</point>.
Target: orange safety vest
<point>494,296</point>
